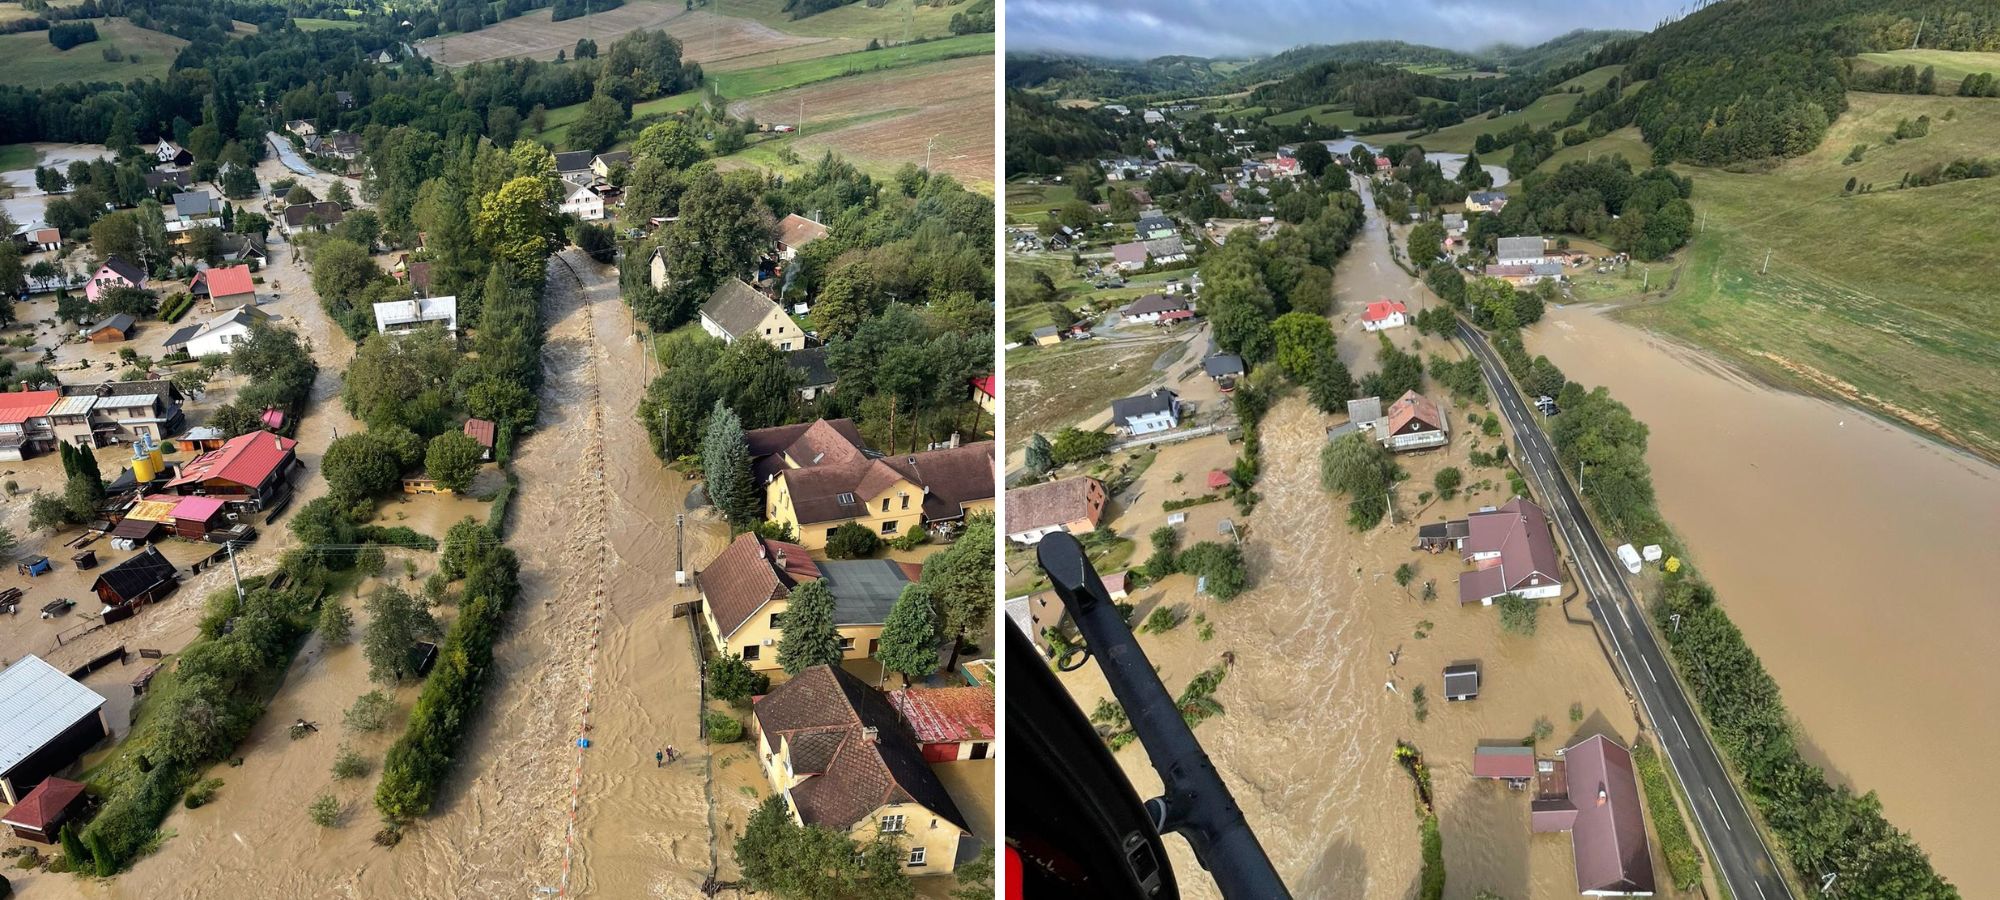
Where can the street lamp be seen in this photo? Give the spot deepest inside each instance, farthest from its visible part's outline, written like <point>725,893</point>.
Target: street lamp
<point>1676,619</point>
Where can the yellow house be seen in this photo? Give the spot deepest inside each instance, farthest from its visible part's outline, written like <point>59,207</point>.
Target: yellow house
<point>836,750</point>
<point>819,477</point>
<point>737,311</point>
<point>744,595</point>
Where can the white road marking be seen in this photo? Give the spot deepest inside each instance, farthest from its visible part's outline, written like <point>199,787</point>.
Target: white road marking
<point>1718,810</point>
<point>1760,888</point>
<point>1649,669</point>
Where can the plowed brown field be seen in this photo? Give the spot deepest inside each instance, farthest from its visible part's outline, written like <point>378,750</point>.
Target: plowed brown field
<point>900,111</point>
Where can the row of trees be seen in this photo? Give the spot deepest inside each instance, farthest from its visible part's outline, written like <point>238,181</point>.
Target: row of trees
<point>1645,213</point>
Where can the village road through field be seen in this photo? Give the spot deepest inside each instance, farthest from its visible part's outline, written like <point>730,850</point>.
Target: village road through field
<point>1743,861</point>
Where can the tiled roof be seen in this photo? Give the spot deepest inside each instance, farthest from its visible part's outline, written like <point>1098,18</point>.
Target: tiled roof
<point>737,308</point>
<point>1382,309</point>
<point>825,714</point>
<point>1414,407</point>
<point>947,715</point>
<point>1154,303</point>
<point>43,805</point>
<point>226,282</point>
<point>1159,400</point>
<point>20,406</point>
<point>749,573</point>
<point>1053,503</point>
<point>480,430</point>
<point>1519,532</point>
<point>795,231</point>
<point>1609,833</point>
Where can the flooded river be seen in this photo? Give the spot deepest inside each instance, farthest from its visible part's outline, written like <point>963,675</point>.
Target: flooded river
<point>1853,554</point>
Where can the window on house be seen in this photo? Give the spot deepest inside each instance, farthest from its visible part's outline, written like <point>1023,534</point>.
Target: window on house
<point>889,527</point>
<point>906,501</point>
<point>829,533</point>
<point>846,644</point>
<point>751,653</point>
<point>775,619</point>
<point>885,504</point>
<point>916,856</point>
<point>844,499</point>
<point>892,824</point>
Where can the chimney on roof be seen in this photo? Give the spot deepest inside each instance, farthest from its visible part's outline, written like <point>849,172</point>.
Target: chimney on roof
<point>868,733</point>
<point>278,443</point>
<point>761,550</point>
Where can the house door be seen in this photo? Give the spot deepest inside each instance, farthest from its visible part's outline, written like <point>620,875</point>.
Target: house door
<point>940,752</point>
<point>979,751</point>
<point>874,646</point>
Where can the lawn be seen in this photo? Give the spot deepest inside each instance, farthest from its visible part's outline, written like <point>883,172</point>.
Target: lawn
<point>324,24</point>
<point>1031,203</point>
<point>33,62</point>
<point>1340,115</point>
<point>1880,298</point>
<point>1591,80</point>
<point>1952,65</point>
<point>1051,387</point>
<point>895,20</point>
<point>18,156</point>
<point>1460,138</point>
<point>1623,142</point>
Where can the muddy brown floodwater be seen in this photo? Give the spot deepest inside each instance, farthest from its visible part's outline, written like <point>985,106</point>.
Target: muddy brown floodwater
<point>1309,726</point>
<point>1856,557</point>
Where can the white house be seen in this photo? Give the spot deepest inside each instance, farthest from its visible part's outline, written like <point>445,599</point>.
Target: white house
<point>1521,251</point>
<point>217,335</point>
<point>583,202</point>
<point>399,316</point>
<point>1147,413</point>
<point>1383,314</point>
<point>736,310</point>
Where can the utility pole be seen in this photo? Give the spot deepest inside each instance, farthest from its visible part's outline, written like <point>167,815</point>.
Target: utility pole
<point>680,558</point>
<point>1767,264</point>
<point>927,151</point>
<point>233,571</point>
<point>1645,280</point>
<point>1913,45</point>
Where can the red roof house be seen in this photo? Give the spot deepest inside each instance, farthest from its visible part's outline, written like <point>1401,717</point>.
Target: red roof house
<point>985,391</point>
<point>1384,314</point>
<point>1514,552</point>
<point>949,723</point>
<point>41,814</point>
<point>225,288</point>
<point>1601,812</point>
<point>1507,763</point>
<point>249,468</point>
<point>481,430</point>
<point>1382,163</point>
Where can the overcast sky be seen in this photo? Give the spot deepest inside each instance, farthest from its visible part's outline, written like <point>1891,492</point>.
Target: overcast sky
<point>1149,28</point>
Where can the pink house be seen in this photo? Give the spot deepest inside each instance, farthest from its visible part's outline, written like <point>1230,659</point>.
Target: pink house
<point>116,272</point>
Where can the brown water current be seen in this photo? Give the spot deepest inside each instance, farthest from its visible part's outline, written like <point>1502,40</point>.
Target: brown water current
<point>1855,556</point>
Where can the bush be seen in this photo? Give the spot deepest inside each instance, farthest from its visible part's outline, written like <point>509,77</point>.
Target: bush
<point>723,728</point>
<point>199,795</point>
<point>1163,620</point>
<point>1518,613</point>
<point>1220,564</point>
<point>324,811</point>
<point>732,681</point>
<point>370,712</point>
<point>852,541</point>
<point>1073,445</point>
<point>349,764</point>
<point>1447,481</point>
<point>1420,702</point>
<point>1683,859</point>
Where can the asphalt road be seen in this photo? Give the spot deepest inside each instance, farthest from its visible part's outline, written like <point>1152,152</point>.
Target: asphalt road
<point>1734,845</point>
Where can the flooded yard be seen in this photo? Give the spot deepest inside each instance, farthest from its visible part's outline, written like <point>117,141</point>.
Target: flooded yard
<point>1852,554</point>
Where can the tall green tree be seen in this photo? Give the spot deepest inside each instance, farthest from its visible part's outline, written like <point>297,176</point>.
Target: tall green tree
<point>1040,454</point>
<point>910,635</point>
<point>725,468</point>
<point>807,635</point>
<point>960,582</point>
<point>1357,466</point>
<point>452,460</point>
<point>1302,339</point>
<point>396,622</point>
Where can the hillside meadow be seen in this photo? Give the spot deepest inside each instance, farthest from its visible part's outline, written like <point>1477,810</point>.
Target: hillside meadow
<point>32,61</point>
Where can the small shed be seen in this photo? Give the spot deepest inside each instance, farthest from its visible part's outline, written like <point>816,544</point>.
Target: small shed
<point>201,440</point>
<point>112,330</point>
<point>1218,479</point>
<point>1461,681</point>
<point>482,431</point>
<point>194,517</point>
<point>145,578</point>
<point>40,815</point>
<point>47,721</point>
<point>1511,763</point>
<point>1118,585</point>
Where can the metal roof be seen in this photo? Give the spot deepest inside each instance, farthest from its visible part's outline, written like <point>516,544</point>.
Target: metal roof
<point>129,401</point>
<point>73,406</point>
<point>863,589</point>
<point>37,703</point>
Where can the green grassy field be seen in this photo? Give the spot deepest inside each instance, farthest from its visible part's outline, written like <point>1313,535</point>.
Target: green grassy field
<point>1951,65</point>
<point>324,24</point>
<point>1591,80</point>
<point>1623,142</point>
<point>751,82</point>
<point>1030,203</point>
<point>1881,298</point>
<point>1459,138</point>
<point>894,20</point>
<point>33,62</point>
<point>1340,115</point>
<point>18,156</point>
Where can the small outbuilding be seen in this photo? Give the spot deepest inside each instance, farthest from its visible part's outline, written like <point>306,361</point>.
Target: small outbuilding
<point>481,430</point>
<point>195,517</point>
<point>1461,681</point>
<point>1511,763</point>
<point>47,721</point>
<point>145,578</point>
<point>39,817</point>
<point>112,330</point>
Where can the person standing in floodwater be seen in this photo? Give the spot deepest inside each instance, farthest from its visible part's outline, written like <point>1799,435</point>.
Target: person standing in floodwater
<point>659,758</point>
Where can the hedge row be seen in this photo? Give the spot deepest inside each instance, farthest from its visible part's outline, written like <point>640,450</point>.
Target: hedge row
<point>1683,859</point>
<point>420,762</point>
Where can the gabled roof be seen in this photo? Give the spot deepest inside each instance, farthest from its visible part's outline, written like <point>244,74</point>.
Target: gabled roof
<point>1382,309</point>
<point>443,310</point>
<point>1160,400</point>
<point>225,282</point>
<point>1414,409</point>
<point>749,573</point>
<point>947,714</point>
<point>125,269</point>
<point>247,459</point>
<point>1222,364</point>
<point>1609,833</point>
<point>827,715</point>
<point>613,158</point>
<point>823,434</point>
<point>44,805</point>
<point>811,363</point>
<point>1154,303</point>
<point>175,177</point>
<point>188,204</point>
<point>20,406</point>
<point>324,211</point>
<point>1053,503</point>
<point>135,576</point>
<point>986,384</point>
<point>37,703</point>
<point>951,477</point>
<point>1519,532</point>
<point>573,161</point>
<point>1512,248</point>
<point>1162,248</point>
<point>121,323</point>
<point>1511,761</point>
<point>737,308</point>
<point>1132,252</point>
<point>480,430</point>
<point>796,231</point>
